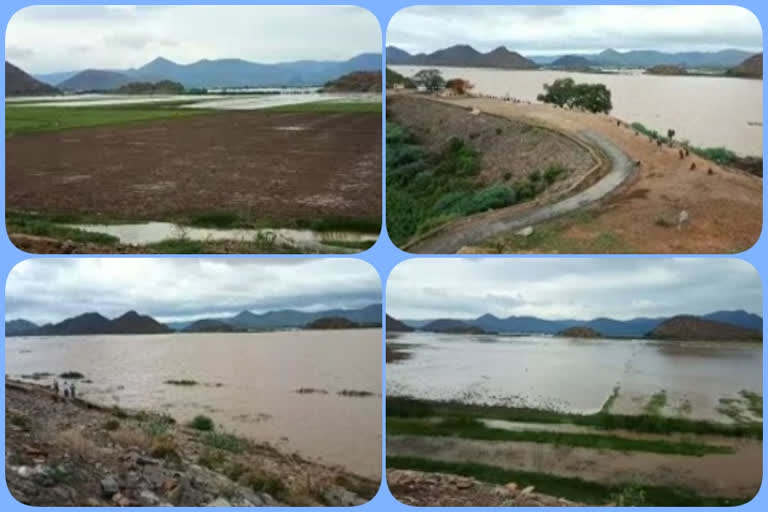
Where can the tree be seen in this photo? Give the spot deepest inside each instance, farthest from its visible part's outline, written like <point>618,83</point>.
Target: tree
<point>459,85</point>
<point>564,92</point>
<point>431,79</point>
<point>670,134</point>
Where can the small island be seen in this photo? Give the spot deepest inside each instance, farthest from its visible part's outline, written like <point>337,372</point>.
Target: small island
<point>579,332</point>
<point>449,326</point>
<point>332,322</point>
<point>689,327</point>
<point>357,81</point>
<point>666,70</point>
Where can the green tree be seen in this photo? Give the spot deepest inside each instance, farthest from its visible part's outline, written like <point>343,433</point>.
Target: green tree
<point>431,79</point>
<point>564,92</point>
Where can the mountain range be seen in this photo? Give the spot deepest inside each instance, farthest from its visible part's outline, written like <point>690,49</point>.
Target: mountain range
<point>215,73</point>
<point>633,328</point>
<point>18,82</point>
<point>467,56</point>
<point>133,323</point>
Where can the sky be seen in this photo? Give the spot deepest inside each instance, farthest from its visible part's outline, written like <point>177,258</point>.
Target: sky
<point>554,30</point>
<point>572,288</point>
<point>45,39</point>
<point>50,290</point>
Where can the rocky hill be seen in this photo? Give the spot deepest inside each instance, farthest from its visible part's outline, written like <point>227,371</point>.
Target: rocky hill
<point>579,332</point>
<point>90,323</point>
<point>332,323</point>
<point>95,80</point>
<point>449,326</point>
<point>461,55</point>
<point>134,323</point>
<point>752,67</point>
<point>687,327</point>
<point>357,81</point>
<point>20,327</point>
<point>571,62</point>
<point>395,325</point>
<point>19,83</point>
<point>209,325</point>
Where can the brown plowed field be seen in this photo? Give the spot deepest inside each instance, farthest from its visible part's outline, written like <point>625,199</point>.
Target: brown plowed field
<point>266,165</point>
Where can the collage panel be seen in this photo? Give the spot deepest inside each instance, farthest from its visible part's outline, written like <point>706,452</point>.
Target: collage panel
<point>574,129</point>
<point>193,129</point>
<point>574,382</point>
<point>209,382</point>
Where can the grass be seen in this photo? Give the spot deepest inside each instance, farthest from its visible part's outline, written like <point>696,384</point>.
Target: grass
<point>656,403</point>
<point>425,190</point>
<point>226,441</point>
<point>754,402</point>
<point>202,422</point>
<point>719,155</point>
<point>329,107</point>
<point>571,488</point>
<point>405,407</point>
<point>470,428</point>
<point>43,226</point>
<point>157,425</point>
<point>22,119</point>
<point>111,425</point>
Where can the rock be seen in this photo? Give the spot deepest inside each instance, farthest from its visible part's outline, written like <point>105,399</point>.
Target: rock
<point>24,471</point>
<point>93,502</point>
<point>148,498</point>
<point>219,502</point>
<point>120,500</point>
<point>527,490</point>
<point>526,231</point>
<point>340,497</point>
<point>511,487</point>
<point>109,486</point>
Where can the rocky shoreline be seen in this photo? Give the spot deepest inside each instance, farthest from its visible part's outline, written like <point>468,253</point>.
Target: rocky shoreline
<point>70,452</point>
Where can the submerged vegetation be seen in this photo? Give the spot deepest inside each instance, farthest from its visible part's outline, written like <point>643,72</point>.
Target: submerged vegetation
<point>425,190</point>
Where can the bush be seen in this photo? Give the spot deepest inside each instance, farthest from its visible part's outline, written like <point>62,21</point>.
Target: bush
<point>202,422</point>
<point>111,425</point>
<point>225,441</point>
<point>459,85</point>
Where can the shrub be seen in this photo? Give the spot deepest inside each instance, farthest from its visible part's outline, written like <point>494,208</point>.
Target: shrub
<point>225,441</point>
<point>202,422</point>
<point>111,425</point>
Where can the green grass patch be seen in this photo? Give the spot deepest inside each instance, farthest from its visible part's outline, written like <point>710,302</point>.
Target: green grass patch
<point>202,422</point>
<point>406,407</point>
<point>157,425</point>
<point>470,428</point>
<point>754,402</point>
<point>45,227</point>
<point>571,488</point>
<point>22,119</point>
<point>656,403</point>
<point>329,107</point>
<point>226,441</point>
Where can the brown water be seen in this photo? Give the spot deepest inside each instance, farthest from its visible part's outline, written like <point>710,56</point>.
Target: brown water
<point>258,375</point>
<point>708,111</point>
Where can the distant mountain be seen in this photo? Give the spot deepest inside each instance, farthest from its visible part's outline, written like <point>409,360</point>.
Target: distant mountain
<point>19,83</point>
<point>87,323</point>
<point>752,67</point>
<point>395,325</point>
<point>209,325</point>
<point>687,327</point>
<point>356,81</point>
<point>332,322</point>
<point>55,78</point>
<point>291,318</point>
<point>649,58</point>
<point>571,62</point>
<point>633,328</point>
<point>461,55</point>
<point>20,327</point>
<point>95,80</point>
<point>220,73</point>
<point>134,323</point>
<point>450,326</point>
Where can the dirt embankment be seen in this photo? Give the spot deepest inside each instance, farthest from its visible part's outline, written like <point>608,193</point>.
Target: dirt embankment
<point>420,489</point>
<point>723,206</point>
<point>257,164</point>
<point>509,149</point>
<point>64,452</point>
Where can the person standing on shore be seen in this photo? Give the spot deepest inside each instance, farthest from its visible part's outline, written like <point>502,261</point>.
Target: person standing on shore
<point>56,387</point>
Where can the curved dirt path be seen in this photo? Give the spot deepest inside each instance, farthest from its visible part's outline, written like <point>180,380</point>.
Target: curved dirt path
<point>475,229</point>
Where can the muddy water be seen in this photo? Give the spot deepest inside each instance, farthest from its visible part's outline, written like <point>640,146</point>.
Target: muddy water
<point>708,111</point>
<point>576,374</point>
<point>153,232</point>
<point>258,374</point>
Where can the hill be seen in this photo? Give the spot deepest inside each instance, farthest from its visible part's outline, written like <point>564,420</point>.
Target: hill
<point>20,327</point>
<point>209,325</point>
<point>687,327</point>
<point>291,318</point>
<point>461,55</point>
<point>648,58</point>
<point>752,67</point>
<point>579,332</point>
<point>19,83</point>
<point>445,325</point>
<point>87,323</point>
<point>95,80</point>
<point>357,81</point>
<point>395,325</point>
<point>332,322</point>
<point>571,62</point>
<point>134,323</point>
<point>666,69</point>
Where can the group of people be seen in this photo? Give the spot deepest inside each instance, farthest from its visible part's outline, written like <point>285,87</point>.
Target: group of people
<point>67,390</point>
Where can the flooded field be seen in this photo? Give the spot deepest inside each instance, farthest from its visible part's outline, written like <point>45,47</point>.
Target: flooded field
<point>708,111</point>
<point>577,375</point>
<point>246,382</point>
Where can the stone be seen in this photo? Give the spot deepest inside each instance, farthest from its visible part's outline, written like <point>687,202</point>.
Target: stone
<point>24,471</point>
<point>526,231</point>
<point>511,487</point>
<point>93,502</point>
<point>148,498</point>
<point>527,490</point>
<point>464,484</point>
<point>109,486</point>
<point>219,502</point>
<point>339,497</point>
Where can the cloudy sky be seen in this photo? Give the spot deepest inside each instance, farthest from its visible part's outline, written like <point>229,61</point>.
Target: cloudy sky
<point>546,30</point>
<point>580,289</point>
<point>44,39</point>
<point>50,290</point>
